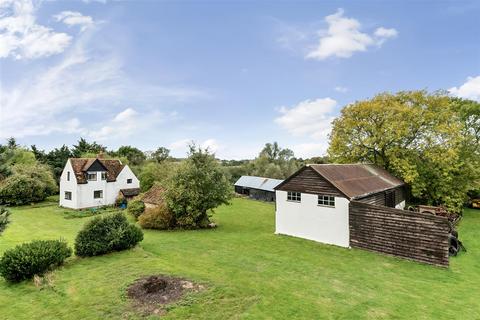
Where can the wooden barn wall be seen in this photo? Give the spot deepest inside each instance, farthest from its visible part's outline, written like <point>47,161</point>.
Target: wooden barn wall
<point>379,198</point>
<point>401,233</point>
<point>308,181</point>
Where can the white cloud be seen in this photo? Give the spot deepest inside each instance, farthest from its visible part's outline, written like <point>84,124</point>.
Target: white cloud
<point>73,18</point>
<point>308,118</point>
<point>126,115</point>
<point>341,89</point>
<point>469,90</point>
<point>343,38</point>
<point>180,147</point>
<point>22,38</point>
<point>309,150</point>
<point>211,145</point>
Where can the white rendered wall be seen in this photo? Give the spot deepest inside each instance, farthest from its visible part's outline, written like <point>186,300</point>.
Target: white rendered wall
<point>308,220</point>
<point>68,186</point>
<point>82,194</point>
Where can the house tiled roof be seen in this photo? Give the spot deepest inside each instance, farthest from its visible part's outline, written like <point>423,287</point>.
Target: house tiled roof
<point>81,165</point>
<point>154,195</point>
<point>357,180</point>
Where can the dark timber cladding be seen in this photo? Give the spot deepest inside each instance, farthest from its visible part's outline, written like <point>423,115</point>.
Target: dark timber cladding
<point>406,234</point>
<point>308,180</point>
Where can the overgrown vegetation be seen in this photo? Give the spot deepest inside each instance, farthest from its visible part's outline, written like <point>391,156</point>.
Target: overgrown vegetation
<point>160,218</point>
<point>4,218</point>
<point>107,234</point>
<point>34,258</point>
<point>136,208</point>
<point>429,140</point>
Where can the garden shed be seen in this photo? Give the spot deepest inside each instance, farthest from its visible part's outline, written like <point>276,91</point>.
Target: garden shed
<point>258,188</point>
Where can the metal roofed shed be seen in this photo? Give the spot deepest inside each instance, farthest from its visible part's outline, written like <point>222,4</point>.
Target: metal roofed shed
<point>259,188</point>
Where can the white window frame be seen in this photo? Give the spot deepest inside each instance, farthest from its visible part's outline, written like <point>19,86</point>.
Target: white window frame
<point>70,195</point>
<point>101,194</point>
<point>93,175</point>
<point>129,181</point>
<point>294,196</point>
<point>104,175</point>
<point>326,200</point>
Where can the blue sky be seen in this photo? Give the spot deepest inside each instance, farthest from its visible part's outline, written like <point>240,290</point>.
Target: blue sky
<point>228,75</point>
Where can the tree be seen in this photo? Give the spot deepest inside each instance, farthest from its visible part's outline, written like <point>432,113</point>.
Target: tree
<point>83,147</point>
<point>133,155</point>
<point>161,154</point>
<point>57,158</point>
<point>198,185</point>
<point>415,135</point>
<point>274,162</point>
<point>153,172</point>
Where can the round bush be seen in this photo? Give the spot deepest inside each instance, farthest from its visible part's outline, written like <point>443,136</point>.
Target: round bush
<point>106,234</point>
<point>160,218</point>
<point>136,207</point>
<point>28,259</point>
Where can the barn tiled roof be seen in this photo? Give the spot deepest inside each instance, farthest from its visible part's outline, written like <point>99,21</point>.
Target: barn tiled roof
<point>357,180</point>
<point>154,195</point>
<point>81,165</point>
<point>130,192</point>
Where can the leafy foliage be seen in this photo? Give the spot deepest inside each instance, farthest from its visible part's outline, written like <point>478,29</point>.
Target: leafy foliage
<point>107,234</point>
<point>136,207</point>
<point>133,155</point>
<point>4,220</point>
<point>27,184</point>
<point>160,218</point>
<point>34,258</point>
<point>161,154</point>
<point>153,172</point>
<point>198,185</point>
<point>418,136</point>
<point>84,147</point>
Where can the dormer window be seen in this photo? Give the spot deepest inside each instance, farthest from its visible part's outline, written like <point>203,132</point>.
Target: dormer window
<point>104,176</point>
<point>92,176</point>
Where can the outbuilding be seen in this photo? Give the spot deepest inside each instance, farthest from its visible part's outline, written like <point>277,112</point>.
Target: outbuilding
<point>259,188</point>
<point>313,203</point>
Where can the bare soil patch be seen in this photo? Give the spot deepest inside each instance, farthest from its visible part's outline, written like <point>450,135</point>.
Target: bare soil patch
<point>151,293</point>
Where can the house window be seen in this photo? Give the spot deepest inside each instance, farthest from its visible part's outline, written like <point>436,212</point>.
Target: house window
<point>92,176</point>
<point>104,176</point>
<point>68,175</point>
<point>68,195</point>
<point>98,194</point>
<point>294,196</point>
<point>328,201</point>
<point>129,180</point>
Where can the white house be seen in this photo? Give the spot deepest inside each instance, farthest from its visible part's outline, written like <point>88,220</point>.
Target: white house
<point>313,203</point>
<point>94,182</point>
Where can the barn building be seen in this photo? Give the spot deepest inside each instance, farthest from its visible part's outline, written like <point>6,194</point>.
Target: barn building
<point>313,203</point>
<point>258,188</point>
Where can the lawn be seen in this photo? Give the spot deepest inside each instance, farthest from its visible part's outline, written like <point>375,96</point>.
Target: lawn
<point>250,274</point>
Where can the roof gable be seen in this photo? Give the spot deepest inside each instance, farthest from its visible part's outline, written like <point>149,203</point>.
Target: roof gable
<point>94,165</point>
<point>81,165</point>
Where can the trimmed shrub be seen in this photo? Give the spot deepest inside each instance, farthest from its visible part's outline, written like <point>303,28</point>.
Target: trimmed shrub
<point>160,218</point>
<point>107,234</point>
<point>136,208</point>
<point>4,213</point>
<point>34,258</point>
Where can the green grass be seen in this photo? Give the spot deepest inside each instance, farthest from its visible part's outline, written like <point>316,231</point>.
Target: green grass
<point>250,274</point>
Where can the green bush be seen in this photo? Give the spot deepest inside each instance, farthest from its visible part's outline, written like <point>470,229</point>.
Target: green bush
<point>106,234</point>
<point>4,213</point>
<point>160,218</point>
<point>28,259</point>
<point>136,207</point>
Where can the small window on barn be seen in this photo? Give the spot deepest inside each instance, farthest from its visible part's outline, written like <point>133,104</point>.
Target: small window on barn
<point>129,180</point>
<point>325,200</point>
<point>68,195</point>
<point>92,176</point>
<point>68,175</point>
<point>104,176</point>
<point>98,194</point>
<point>294,196</point>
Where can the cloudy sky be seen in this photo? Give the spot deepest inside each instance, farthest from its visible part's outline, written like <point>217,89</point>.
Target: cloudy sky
<point>231,76</point>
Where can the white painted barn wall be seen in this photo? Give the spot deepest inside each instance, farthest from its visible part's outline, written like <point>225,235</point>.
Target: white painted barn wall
<point>401,205</point>
<point>308,220</point>
<point>82,194</point>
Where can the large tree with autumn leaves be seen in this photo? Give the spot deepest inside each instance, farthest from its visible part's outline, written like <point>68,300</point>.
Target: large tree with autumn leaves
<point>430,140</point>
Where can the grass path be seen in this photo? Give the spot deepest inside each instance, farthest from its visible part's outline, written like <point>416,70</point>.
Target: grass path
<point>250,273</point>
